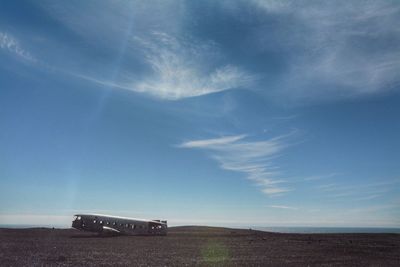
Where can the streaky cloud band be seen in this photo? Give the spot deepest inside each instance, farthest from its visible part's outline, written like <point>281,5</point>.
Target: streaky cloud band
<point>253,158</point>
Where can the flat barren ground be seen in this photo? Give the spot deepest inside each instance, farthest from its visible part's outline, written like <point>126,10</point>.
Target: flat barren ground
<point>204,246</point>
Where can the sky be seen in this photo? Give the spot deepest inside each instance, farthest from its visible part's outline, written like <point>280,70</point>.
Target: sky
<point>233,113</point>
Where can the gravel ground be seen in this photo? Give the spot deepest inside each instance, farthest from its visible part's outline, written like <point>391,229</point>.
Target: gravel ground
<point>196,245</point>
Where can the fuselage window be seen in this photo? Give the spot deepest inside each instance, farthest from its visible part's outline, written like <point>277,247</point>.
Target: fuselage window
<point>133,226</point>
<point>114,223</point>
<point>101,222</point>
<point>108,223</point>
<point>94,221</point>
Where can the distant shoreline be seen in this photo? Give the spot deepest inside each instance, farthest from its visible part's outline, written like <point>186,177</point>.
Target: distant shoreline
<point>329,230</point>
<point>274,229</point>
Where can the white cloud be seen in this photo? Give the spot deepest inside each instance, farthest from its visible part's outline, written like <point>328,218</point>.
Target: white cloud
<point>347,48</point>
<point>213,142</point>
<point>181,68</point>
<point>173,63</point>
<point>320,177</point>
<point>99,81</point>
<point>323,48</point>
<point>10,44</point>
<point>253,158</point>
<point>358,192</point>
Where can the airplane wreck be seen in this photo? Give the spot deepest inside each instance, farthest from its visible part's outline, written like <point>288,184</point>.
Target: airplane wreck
<point>105,224</point>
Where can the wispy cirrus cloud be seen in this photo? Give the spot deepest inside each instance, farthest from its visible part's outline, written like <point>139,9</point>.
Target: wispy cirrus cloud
<point>358,192</point>
<point>324,50</point>
<point>320,177</point>
<point>154,54</point>
<point>253,158</point>
<point>346,49</point>
<point>213,142</point>
<point>12,45</point>
<point>181,68</point>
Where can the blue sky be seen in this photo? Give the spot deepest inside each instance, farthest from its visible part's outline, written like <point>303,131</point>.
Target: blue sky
<point>236,113</point>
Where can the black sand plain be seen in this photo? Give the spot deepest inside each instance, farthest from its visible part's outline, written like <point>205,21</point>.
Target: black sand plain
<point>196,246</point>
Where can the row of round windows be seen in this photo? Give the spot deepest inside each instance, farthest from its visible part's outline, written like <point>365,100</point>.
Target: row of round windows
<point>126,225</point>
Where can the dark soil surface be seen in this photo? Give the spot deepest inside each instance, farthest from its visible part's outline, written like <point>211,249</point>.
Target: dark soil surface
<point>204,246</point>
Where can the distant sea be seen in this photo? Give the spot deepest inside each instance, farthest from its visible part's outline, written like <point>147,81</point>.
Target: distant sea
<point>327,230</point>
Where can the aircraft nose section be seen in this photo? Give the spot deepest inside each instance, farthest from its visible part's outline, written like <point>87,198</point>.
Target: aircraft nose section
<point>77,223</point>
